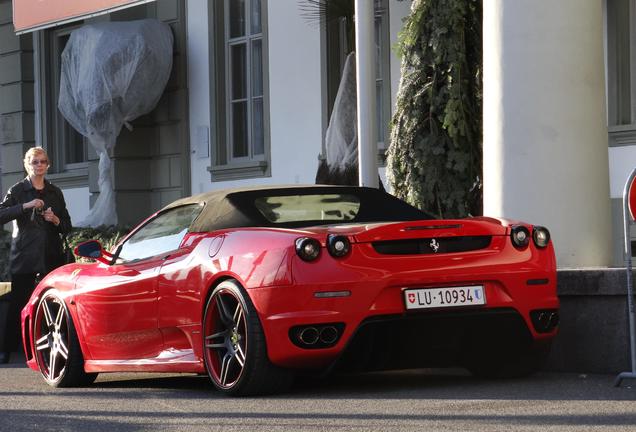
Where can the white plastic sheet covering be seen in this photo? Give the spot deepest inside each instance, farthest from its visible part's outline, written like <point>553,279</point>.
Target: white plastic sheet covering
<point>112,73</point>
<point>341,139</point>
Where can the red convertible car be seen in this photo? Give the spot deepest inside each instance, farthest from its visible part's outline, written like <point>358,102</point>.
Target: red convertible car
<point>253,286</point>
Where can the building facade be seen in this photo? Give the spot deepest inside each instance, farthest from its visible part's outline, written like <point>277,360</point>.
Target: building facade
<point>253,85</point>
<point>201,136</point>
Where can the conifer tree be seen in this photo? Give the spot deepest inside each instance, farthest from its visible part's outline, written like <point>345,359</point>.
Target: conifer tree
<point>435,155</point>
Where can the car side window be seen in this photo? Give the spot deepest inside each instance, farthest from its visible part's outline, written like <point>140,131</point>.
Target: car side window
<point>161,234</point>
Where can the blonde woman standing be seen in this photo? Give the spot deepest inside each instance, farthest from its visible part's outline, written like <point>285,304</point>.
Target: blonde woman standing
<point>38,211</point>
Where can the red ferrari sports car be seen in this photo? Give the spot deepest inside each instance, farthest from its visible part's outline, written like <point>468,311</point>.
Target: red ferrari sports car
<point>253,286</point>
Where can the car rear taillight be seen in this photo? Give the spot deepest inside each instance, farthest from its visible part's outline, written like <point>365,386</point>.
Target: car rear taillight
<point>338,245</point>
<point>541,236</point>
<point>307,248</point>
<point>520,236</point>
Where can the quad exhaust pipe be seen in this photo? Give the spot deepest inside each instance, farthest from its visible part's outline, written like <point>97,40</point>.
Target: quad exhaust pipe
<point>544,321</point>
<point>312,335</point>
<point>316,336</point>
<point>328,335</point>
<point>309,335</point>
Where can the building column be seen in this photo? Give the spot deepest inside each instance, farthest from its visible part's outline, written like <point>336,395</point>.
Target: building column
<point>366,89</point>
<point>545,132</point>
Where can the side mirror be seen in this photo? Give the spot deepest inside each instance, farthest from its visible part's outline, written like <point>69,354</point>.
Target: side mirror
<point>89,249</point>
<point>92,249</point>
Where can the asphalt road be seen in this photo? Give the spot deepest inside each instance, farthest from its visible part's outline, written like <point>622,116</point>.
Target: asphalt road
<point>422,400</point>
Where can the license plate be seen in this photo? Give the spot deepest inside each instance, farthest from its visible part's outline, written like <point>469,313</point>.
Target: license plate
<point>425,298</point>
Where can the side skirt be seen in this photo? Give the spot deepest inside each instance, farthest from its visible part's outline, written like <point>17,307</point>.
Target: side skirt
<point>167,361</point>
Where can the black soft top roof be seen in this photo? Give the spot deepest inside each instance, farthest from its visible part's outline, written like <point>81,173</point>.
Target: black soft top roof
<point>233,208</point>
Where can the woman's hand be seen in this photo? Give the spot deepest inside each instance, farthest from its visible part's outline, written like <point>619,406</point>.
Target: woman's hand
<point>49,216</point>
<point>36,203</point>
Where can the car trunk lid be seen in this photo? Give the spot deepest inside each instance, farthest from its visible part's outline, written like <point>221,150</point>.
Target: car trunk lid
<point>423,229</point>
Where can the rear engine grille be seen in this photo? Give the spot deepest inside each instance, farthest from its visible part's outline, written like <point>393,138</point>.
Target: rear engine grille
<point>432,245</point>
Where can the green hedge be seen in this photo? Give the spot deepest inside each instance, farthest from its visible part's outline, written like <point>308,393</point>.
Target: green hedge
<point>108,237</point>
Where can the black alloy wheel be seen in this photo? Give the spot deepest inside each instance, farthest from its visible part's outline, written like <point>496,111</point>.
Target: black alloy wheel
<point>57,350</point>
<point>235,352</point>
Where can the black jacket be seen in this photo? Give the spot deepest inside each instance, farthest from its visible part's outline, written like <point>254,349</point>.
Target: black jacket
<point>36,246</point>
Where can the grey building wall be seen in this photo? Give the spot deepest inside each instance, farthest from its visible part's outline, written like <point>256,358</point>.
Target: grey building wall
<point>151,163</point>
<point>16,98</point>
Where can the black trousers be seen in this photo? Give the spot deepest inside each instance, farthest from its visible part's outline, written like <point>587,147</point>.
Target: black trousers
<point>22,286</point>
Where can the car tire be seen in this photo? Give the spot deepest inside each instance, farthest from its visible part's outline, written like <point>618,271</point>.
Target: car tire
<point>57,349</point>
<point>234,346</point>
<point>511,364</point>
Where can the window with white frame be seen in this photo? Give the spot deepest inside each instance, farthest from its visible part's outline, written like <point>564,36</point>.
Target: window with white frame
<point>240,100</point>
<point>382,68</point>
<point>66,147</point>
<point>620,37</point>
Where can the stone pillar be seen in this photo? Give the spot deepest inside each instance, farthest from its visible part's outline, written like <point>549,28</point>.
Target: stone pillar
<point>545,133</point>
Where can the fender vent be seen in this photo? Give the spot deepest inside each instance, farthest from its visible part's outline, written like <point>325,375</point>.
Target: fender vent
<point>435,245</point>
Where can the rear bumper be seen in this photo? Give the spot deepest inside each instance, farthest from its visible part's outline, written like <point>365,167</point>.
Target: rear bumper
<point>510,301</point>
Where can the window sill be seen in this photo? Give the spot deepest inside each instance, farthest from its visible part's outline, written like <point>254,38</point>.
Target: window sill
<point>382,153</point>
<point>238,171</point>
<point>623,135</point>
<point>70,179</point>
<point>382,157</point>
